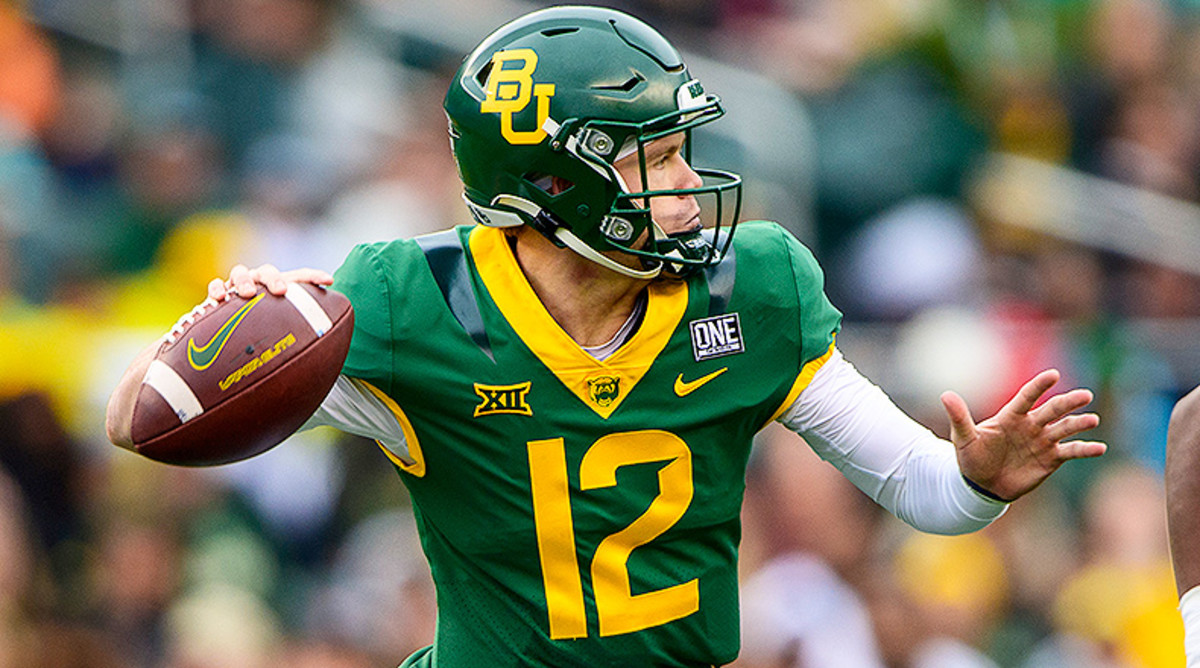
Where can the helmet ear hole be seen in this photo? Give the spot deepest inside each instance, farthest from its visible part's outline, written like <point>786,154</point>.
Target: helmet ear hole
<point>550,184</point>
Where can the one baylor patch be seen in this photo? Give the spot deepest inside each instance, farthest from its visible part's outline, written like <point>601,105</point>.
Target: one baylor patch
<point>509,90</point>
<point>503,399</point>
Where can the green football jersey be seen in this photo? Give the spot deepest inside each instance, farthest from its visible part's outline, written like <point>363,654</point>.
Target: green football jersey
<point>577,512</point>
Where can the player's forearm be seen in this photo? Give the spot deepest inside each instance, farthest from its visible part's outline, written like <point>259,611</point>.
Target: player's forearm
<point>1183,490</point>
<point>118,417</point>
<point>900,464</point>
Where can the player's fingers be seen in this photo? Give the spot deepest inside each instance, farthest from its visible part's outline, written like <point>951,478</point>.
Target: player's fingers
<point>242,281</point>
<point>270,276</point>
<point>962,426</point>
<point>217,290</point>
<point>1059,405</point>
<point>1081,449</point>
<point>1072,425</point>
<point>1031,391</point>
<point>306,275</point>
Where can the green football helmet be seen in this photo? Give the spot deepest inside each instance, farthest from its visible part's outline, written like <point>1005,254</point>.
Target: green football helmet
<point>563,93</point>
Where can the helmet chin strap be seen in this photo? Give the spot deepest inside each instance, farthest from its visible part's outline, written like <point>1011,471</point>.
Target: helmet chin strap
<point>574,243</point>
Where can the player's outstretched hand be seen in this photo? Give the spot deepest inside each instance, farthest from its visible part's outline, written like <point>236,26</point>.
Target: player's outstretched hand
<point>1013,451</point>
<point>245,281</point>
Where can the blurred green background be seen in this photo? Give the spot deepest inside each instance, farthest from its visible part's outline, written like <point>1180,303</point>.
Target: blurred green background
<point>992,186</point>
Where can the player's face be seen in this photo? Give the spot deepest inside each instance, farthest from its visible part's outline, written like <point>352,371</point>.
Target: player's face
<point>666,169</point>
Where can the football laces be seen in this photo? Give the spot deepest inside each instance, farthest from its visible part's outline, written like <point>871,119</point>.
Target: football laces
<point>186,320</point>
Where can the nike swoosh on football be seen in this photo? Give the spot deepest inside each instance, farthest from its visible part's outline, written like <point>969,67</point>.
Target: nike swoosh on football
<point>685,388</point>
<point>202,357</point>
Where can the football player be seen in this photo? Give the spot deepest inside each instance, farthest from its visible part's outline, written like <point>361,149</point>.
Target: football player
<point>569,388</point>
<point>1183,515</point>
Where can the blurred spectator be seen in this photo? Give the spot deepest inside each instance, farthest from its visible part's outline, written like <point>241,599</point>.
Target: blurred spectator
<point>69,645</point>
<point>18,579</point>
<point>314,654</point>
<point>30,92</point>
<point>976,364</point>
<point>286,185</point>
<point>958,585</point>
<point>294,491</point>
<point>806,530</point>
<point>136,575</point>
<point>248,55</point>
<point>29,72</point>
<point>412,188</point>
<point>219,626</point>
<point>44,462</point>
<point>1153,140</point>
<point>84,147</point>
<point>28,203</point>
<point>920,254</point>
<point>170,169</point>
<point>1120,606</point>
<point>379,595</point>
<point>1040,545</point>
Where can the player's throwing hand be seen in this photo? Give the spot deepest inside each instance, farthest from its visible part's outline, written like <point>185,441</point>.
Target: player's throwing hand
<point>245,281</point>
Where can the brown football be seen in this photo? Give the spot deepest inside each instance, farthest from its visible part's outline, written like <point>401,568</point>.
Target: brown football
<point>238,376</point>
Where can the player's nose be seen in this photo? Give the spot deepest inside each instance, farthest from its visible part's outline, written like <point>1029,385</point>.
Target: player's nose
<point>686,176</point>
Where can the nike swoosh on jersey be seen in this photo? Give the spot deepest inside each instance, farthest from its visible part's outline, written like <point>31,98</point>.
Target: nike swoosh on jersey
<point>202,357</point>
<point>683,389</point>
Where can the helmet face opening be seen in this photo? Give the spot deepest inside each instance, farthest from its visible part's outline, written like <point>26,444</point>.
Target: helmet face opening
<point>630,215</point>
<point>537,131</point>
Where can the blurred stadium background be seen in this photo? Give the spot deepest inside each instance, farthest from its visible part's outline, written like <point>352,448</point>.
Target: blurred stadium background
<point>993,187</point>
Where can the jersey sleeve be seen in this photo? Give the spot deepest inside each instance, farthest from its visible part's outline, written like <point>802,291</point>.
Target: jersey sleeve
<point>819,319</point>
<point>796,285</point>
<point>353,407</point>
<point>362,279</point>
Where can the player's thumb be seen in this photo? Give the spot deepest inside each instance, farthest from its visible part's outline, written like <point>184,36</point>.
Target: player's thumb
<point>962,426</point>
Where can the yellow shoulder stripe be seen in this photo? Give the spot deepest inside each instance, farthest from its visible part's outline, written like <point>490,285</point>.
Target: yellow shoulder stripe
<point>417,466</point>
<point>806,375</point>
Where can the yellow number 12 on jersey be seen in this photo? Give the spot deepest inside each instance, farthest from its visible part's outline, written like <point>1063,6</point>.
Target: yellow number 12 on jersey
<point>617,608</point>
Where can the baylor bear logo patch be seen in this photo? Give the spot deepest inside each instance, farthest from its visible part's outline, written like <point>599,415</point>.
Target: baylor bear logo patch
<point>604,390</point>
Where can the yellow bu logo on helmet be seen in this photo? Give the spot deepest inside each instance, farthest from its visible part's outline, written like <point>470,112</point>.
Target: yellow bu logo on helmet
<point>509,90</point>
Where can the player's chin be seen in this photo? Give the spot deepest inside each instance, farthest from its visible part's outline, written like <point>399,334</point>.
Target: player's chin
<point>688,225</point>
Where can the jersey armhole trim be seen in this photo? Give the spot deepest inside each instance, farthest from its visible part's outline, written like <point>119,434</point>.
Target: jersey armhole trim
<point>802,381</point>
<point>417,466</point>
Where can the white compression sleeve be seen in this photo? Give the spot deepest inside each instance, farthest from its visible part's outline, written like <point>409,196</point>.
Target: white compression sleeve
<point>351,407</point>
<point>1189,608</point>
<point>903,466</point>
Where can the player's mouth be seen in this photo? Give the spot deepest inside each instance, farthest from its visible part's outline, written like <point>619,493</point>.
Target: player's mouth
<point>691,225</point>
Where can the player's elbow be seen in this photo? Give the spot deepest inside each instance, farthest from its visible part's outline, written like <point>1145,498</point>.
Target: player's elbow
<point>1183,451</point>
<point>943,524</point>
<point>1184,426</point>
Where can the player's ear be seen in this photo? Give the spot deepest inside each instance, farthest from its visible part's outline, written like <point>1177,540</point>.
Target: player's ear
<point>558,185</point>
